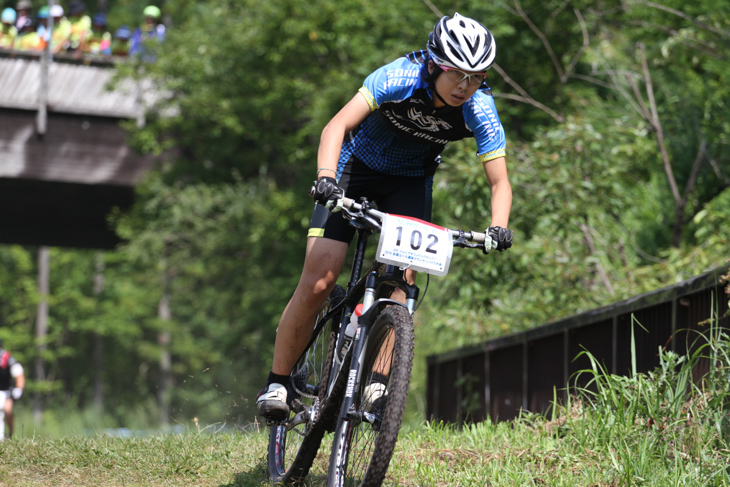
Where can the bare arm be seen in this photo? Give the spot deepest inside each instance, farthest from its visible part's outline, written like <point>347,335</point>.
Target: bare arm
<point>496,171</point>
<point>330,143</point>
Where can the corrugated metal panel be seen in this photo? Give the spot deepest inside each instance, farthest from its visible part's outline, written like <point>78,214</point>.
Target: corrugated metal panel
<point>652,328</point>
<point>432,391</point>
<point>73,88</point>
<point>545,372</point>
<point>699,307</point>
<point>672,317</point>
<point>472,384</point>
<point>75,149</point>
<point>505,378</point>
<point>597,339</point>
<point>447,380</point>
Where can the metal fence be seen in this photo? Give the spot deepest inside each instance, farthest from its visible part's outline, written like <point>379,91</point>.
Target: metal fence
<point>532,369</point>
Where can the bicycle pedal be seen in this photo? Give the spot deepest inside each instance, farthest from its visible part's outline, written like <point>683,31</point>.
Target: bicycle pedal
<point>275,422</point>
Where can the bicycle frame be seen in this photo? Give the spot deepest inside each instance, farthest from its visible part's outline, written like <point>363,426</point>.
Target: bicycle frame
<point>348,395</point>
<point>379,281</point>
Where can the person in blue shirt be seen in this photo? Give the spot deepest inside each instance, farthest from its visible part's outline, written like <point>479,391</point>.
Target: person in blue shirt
<point>386,144</point>
<point>151,28</point>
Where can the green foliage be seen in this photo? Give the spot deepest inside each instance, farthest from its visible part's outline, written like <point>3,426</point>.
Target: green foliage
<point>18,299</point>
<point>245,89</point>
<point>216,242</point>
<point>248,86</point>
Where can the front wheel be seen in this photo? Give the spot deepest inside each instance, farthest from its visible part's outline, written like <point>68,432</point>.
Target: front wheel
<point>293,444</point>
<point>365,436</point>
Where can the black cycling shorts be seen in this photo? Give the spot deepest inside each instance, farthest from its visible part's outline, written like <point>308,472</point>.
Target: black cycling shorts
<point>400,195</point>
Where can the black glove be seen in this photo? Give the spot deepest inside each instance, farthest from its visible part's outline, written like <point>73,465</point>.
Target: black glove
<point>326,192</point>
<point>502,237</point>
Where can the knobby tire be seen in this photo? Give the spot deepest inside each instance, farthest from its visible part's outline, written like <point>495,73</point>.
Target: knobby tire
<point>361,451</point>
<point>302,443</point>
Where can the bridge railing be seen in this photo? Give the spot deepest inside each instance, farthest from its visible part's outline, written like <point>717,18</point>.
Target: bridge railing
<point>68,84</point>
<point>497,379</point>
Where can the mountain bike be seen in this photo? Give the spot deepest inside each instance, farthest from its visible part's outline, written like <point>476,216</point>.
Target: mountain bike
<point>357,388</point>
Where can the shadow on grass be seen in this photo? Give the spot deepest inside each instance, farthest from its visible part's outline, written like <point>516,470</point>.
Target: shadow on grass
<point>258,477</point>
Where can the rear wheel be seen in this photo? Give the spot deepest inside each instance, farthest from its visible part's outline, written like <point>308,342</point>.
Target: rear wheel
<point>293,444</point>
<point>365,436</point>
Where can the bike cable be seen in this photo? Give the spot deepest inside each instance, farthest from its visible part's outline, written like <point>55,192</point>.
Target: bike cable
<point>425,290</point>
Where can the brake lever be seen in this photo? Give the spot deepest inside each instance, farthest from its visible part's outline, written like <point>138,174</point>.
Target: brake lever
<point>461,241</point>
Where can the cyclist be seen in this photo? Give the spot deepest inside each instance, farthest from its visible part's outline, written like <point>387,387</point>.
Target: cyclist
<point>385,144</point>
<point>12,383</point>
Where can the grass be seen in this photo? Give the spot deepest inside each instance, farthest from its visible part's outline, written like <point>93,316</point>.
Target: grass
<point>198,459</point>
<point>661,428</point>
<point>574,450</point>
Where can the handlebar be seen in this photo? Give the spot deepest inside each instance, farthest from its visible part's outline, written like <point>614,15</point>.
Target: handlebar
<point>362,212</point>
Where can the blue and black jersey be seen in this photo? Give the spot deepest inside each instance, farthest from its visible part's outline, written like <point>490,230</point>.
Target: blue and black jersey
<point>405,133</point>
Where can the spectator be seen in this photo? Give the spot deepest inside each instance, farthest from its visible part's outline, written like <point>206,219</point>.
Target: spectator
<point>23,20</point>
<point>8,32</point>
<point>44,34</point>
<point>28,38</point>
<point>12,383</point>
<point>152,28</point>
<point>98,43</point>
<point>80,26</point>
<point>61,29</point>
<point>120,43</point>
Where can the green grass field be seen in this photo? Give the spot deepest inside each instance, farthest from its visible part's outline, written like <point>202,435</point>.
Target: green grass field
<point>583,447</point>
<point>662,428</point>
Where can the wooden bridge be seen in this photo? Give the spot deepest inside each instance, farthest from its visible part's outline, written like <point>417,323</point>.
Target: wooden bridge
<point>64,162</point>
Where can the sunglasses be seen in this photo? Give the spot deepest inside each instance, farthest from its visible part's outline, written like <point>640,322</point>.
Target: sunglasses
<point>457,76</point>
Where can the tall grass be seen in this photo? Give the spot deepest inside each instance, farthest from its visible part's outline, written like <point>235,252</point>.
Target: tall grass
<point>670,423</point>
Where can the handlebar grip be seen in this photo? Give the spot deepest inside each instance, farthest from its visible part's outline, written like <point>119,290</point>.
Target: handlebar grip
<point>479,237</point>
<point>348,203</point>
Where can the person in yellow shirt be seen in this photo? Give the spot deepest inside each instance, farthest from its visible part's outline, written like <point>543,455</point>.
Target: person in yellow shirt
<point>80,26</point>
<point>8,32</point>
<point>61,29</point>
<point>98,42</point>
<point>28,38</point>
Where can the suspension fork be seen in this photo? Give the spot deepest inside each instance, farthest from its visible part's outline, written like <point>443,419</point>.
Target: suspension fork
<point>367,319</point>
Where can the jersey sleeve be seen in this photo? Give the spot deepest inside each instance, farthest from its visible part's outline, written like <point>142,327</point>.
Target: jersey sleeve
<point>392,82</point>
<point>482,119</point>
<point>16,369</point>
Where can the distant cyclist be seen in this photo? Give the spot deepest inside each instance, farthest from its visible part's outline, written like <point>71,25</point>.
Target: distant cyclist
<point>12,383</point>
<point>386,144</point>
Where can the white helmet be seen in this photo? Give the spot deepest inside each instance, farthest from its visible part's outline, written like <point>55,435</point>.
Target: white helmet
<point>462,43</point>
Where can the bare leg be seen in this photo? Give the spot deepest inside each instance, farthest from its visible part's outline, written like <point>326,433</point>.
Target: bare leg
<point>9,416</point>
<point>382,363</point>
<point>322,265</point>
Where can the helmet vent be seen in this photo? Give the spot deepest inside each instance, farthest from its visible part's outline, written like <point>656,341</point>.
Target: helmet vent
<point>462,43</point>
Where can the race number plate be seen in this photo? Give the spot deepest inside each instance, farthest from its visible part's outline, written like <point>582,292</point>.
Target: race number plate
<point>416,244</point>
